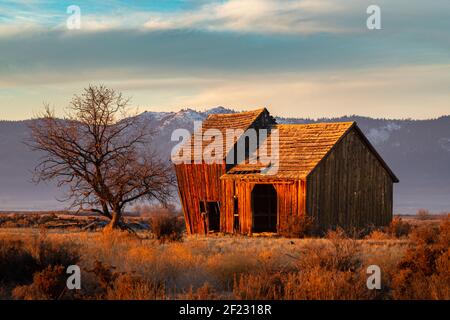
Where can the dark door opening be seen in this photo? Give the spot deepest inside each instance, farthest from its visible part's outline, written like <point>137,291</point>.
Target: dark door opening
<point>264,201</point>
<point>213,211</point>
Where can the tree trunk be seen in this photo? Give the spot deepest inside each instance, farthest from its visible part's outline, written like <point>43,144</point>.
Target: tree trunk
<point>114,223</point>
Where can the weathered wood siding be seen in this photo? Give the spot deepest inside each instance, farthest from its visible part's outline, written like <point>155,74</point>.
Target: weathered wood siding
<point>198,182</point>
<point>227,207</point>
<point>291,201</point>
<point>350,187</point>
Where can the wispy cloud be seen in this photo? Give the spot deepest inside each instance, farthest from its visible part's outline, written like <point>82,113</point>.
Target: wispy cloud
<point>304,57</point>
<point>257,16</point>
<point>402,92</point>
<point>388,92</point>
<point>288,17</point>
<point>248,16</point>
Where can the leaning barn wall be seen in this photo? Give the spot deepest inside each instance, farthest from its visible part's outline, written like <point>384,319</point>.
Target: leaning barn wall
<point>197,182</point>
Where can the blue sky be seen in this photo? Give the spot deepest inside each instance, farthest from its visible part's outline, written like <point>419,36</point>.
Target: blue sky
<point>309,58</point>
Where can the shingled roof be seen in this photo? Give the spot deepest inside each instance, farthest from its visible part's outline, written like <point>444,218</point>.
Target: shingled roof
<point>301,147</point>
<point>222,122</point>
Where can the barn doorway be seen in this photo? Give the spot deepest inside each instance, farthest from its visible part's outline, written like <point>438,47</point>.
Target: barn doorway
<point>264,203</point>
<point>213,210</point>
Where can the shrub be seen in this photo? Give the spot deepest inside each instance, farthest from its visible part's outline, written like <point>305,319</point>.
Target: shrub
<point>346,253</point>
<point>225,266</point>
<point>412,279</point>
<point>428,234</point>
<point>20,262</point>
<point>424,270</point>
<point>328,285</point>
<point>105,275</point>
<point>260,286</point>
<point>17,265</point>
<point>205,292</point>
<point>167,227</point>
<point>444,232</point>
<point>9,224</point>
<point>132,287</point>
<point>314,283</point>
<point>378,235</point>
<point>48,284</point>
<point>97,281</point>
<point>423,214</point>
<point>50,253</point>
<point>299,227</point>
<point>440,282</point>
<point>104,282</point>
<point>399,228</point>
<point>339,254</point>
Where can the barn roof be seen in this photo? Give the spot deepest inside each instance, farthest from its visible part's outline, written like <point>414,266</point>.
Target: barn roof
<point>222,122</point>
<point>301,148</point>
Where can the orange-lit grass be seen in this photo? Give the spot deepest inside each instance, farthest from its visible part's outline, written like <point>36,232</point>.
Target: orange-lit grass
<point>253,267</point>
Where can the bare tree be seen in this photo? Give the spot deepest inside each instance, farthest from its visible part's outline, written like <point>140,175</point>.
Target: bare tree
<point>101,153</point>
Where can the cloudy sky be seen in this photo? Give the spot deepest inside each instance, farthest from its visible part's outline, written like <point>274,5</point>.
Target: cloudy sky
<point>308,58</point>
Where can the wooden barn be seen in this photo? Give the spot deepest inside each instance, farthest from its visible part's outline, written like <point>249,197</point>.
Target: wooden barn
<point>328,171</point>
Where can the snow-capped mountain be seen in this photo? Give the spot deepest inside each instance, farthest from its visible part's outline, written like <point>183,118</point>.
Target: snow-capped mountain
<point>418,151</point>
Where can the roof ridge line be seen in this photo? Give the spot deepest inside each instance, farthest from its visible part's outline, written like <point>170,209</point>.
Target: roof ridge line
<point>313,124</point>
<point>257,111</point>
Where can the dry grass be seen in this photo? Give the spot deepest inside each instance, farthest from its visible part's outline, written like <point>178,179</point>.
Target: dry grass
<point>121,266</point>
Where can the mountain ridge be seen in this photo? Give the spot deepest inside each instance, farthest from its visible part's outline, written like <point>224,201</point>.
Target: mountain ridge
<point>418,151</point>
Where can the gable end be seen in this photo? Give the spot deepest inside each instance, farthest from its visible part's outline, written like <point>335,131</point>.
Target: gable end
<point>354,127</point>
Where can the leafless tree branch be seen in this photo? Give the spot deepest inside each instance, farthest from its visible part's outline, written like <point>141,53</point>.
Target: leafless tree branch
<point>102,153</point>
